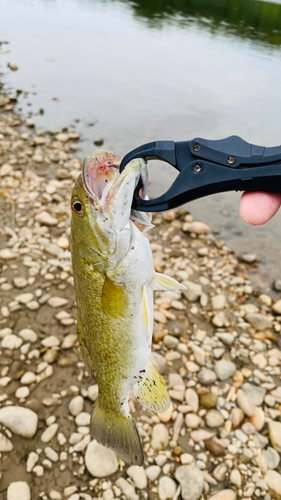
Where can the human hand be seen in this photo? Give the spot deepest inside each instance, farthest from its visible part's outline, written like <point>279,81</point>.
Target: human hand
<point>258,207</point>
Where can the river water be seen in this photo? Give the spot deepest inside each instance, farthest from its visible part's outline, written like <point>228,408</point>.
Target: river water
<point>136,71</point>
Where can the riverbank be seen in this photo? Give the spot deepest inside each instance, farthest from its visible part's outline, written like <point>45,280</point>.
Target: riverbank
<point>217,345</point>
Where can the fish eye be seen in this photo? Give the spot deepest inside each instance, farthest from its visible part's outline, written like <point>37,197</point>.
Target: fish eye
<point>77,207</point>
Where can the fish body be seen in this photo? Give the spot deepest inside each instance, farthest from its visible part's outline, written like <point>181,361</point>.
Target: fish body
<point>114,280</point>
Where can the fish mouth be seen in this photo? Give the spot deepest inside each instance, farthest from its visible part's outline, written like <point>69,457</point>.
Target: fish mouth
<point>98,174</point>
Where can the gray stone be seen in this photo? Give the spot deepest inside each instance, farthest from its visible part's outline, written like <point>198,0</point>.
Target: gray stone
<point>160,437</point>
<point>18,490</point>
<point>153,472</point>
<point>160,362</point>
<point>254,393</point>
<point>207,376</point>
<point>271,457</point>
<point>259,321</point>
<point>224,369</point>
<point>214,418</point>
<point>21,421</point>
<point>166,488</point>
<point>193,290</point>
<point>99,460</point>
<point>191,480</point>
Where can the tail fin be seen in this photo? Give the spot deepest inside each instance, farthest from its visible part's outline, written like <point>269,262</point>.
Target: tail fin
<point>118,432</point>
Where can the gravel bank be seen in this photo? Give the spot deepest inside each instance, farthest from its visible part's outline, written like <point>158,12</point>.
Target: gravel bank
<point>217,345</point>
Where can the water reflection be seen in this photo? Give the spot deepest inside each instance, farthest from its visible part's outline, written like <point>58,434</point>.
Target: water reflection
<point>247,19</point>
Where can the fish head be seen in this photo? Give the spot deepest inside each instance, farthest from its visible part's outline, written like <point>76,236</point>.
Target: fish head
<point>101,209</point>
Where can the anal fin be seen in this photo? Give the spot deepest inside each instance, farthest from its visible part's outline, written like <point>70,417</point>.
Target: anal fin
<point>164,282</point>
<point>151,390</point>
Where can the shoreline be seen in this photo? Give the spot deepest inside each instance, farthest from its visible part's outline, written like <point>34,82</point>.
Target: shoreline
<point>217,345</point>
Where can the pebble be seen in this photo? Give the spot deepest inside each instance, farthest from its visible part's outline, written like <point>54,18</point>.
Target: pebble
<point>214,418</point>
<point>209,400</point>
<point>18,490</point>
<point>20,282</point>
<point>28,378</point>
<point>49,433</point>
<point>22,392</point>
<point>76,405</point>
<point>138,475</point>
<point>274,429</point>
<point>93,391</point>
<point>166,488</point>
<point>207,376</point>
<point>153,472</point>
<point>277,307</point>
<point>192,420</point>
<point>5,443</point>
<point>273,481</point>
<point>218,302</point>
<point>219,472</point>
<point>245,404</point>
<point>57,302</point>
<point>235,478</point>
<point>259,321</point>
<point>46,219</point>
<point>193,290</point>
<point>224,495</point>
<point>192,399</point>
<point>11,342</point>
<point>28,335</point>
<point>271,457</point>
<point>191,480</point>
<point>160,437</point>
<point>99,460</point>
<point>254,394</point>
<point>127,489</point>
<point>225,369</point>
<point>21,421</point>
<point>31,461</point>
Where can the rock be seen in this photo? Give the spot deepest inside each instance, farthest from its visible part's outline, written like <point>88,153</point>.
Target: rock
<point>76,405</point>
<point>49,433</point>
<point>191,480</point>
<point>235,478</point>
<point>226,338</point>
<point>209,400</point>
<point>193,290</point>
<point>237,416</point>
<point>214,418</point>
<point>192,420</point>
<point>22,392</point>
<point>245,404</point>
<point>99,460</point>
<point>272,458</point>
<point>224,495</point>
<point>186,459</point>
<point>11,342</point>
<point>167,415</point>
<point>127,489</point>
<point>93,391</point>
<point>28,378</point>
<point>31,461</point>
<point>218,301</point>
<point>207,376</point>
<point>166,488</point>
<point>259,321</point>
<point>201,435</point>
<point>138,475</point>
<point>83,418</point>
<point>197,227</point>
<point>258,419</point>
<point>57,302</point>
<point>192,399</point>
<point>20,282</point>
<point>21,421</point>
<point>160,362</point>
<point>51,341</point>
<point>219,472</point>
<point>160,437</point>
<point>249,258</point>
<point>225,369</point>
<point>274,429</point>
<point>153,472</point>
<point>170,342</point>
<point>273,481</point>
<point>18,490</point>
<point>5,443</point>
<point>277,285</point>
<point>215,447</point>
<point>277,307</point>
<point>28,335</point>
<point>24,298</point>
<point>199,354</point>
<point>46,219</point>
<point>254,394</point>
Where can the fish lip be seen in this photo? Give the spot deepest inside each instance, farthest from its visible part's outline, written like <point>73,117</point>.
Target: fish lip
<point>87,188</point>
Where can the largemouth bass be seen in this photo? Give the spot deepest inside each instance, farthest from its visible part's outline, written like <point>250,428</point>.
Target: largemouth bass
<point>114,279</point>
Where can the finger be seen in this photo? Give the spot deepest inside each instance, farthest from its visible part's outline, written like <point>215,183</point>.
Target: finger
<point>258,207</point>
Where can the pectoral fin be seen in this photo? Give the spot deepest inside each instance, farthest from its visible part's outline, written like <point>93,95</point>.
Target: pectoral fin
<point>164,282</point>
<point>145,310</point>
<point>151,390</point>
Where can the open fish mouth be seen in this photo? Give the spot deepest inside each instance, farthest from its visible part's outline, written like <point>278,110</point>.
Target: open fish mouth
<point>98,174</point>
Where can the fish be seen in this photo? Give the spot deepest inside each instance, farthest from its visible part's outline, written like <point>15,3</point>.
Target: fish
<point>114,280</point>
